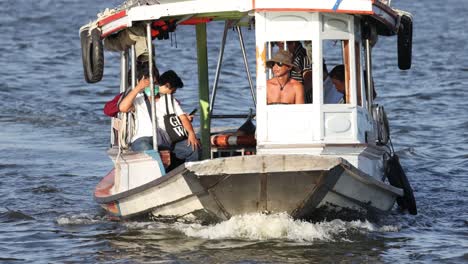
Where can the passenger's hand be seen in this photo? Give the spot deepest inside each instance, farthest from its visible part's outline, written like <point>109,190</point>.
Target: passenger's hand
<point>190,117</point>
<point>142,84</point>
<point>193,141</point>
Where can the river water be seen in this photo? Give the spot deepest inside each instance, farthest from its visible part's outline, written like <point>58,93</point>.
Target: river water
<point>53,138</point>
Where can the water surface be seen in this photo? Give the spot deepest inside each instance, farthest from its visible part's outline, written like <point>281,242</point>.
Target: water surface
<point>54,137</point>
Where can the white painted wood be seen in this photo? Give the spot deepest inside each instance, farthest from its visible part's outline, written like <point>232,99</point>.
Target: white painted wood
<point>167,192</point>
<point>284,26</point>
<point>289,124</point>
<point>183,193</point>
<point>135,170</point>
<point>180,8</point>
<point>115,24</point>
<point>364,125</point>
<point>334,115</point>
<point>323,5</point>
<point>356,189</point>
<point>186,206</point>
<point>261,53</point>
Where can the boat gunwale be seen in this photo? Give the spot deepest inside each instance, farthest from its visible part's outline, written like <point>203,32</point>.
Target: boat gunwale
<point>125,194</point>
<point>369,180</point>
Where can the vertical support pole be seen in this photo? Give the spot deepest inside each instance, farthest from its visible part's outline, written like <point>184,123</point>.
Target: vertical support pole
<point>246,64</point>
<point>318,77</point>
<point>123,70</point>
<point>269,54</point>
<point>359,84</point>
<point>133,62</point>
<point>123,86</point>
<point>370,89</point>
<point>203,89</point>
<point>153,105</point>
<point>317,67</point>
<point>133,82</point>
<point>262,53</point>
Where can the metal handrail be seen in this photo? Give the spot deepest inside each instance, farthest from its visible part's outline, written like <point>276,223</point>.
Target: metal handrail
<point>232,116</point>
<point>152,96</point>
<point>218,66</point>
<point>246,64</point>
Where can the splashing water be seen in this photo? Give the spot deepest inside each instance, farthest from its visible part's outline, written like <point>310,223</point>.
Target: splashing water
<point>279,226</point>
<point>80,219</point>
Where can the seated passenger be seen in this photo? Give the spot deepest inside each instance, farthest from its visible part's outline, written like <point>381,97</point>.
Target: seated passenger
<point>281,89</point>
<point>330,93</point>
<point>337,76</point>
<point>138,101</point>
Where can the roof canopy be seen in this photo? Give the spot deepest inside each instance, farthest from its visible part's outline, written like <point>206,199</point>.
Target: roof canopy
<point>111,21</point>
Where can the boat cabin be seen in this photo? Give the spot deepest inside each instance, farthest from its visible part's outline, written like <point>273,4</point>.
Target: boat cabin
<point>333,39</point>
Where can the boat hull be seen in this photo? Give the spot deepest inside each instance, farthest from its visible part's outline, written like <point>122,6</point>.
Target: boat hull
<point>221,188</point>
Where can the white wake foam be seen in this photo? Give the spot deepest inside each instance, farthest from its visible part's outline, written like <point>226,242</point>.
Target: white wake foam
<point>280,226</point>
<point>80,219</point>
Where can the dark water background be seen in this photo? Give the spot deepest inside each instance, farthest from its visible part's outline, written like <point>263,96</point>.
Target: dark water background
<point>53,138</point>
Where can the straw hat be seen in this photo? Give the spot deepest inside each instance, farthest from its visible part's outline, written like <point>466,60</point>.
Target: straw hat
<point>282,56</point>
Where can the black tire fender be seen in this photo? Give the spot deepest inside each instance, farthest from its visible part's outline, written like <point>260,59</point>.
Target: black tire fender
<point>397,177</point>
<point>405,42</point>
<point>92,54</point>
<point>84,39</point>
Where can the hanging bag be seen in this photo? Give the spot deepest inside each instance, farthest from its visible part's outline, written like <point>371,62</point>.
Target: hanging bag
<point>174,127</point>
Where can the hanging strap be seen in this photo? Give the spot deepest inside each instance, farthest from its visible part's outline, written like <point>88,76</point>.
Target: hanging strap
<point>167,107</point>
<point>148,106</point>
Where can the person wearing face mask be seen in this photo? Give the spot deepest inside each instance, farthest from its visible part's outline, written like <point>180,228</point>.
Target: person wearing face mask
<point>111,108</point>
<point>138,100</point>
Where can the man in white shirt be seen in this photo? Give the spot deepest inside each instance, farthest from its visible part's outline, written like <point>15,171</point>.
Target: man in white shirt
<point>139,102</point>
<point>337,76</point>
<point>331,94</point>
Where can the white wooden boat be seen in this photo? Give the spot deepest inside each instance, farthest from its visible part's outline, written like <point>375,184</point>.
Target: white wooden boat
<point>307,158</point>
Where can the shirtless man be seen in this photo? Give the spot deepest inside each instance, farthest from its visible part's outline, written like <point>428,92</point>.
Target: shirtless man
<point>282,89</point>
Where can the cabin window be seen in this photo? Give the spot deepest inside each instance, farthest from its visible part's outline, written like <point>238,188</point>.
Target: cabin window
<point>336,67</point>
<point>336,72</point>
<point>288,79</point>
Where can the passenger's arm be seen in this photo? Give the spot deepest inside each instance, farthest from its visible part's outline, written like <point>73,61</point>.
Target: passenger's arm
<point>299,99</point>
<point>126,104</point>
<point>192,138</point>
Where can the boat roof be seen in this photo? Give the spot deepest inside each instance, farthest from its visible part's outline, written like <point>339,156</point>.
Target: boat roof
<point>200,11</point>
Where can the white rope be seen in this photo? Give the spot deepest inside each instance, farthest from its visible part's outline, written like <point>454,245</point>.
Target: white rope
<point>123,132</point>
